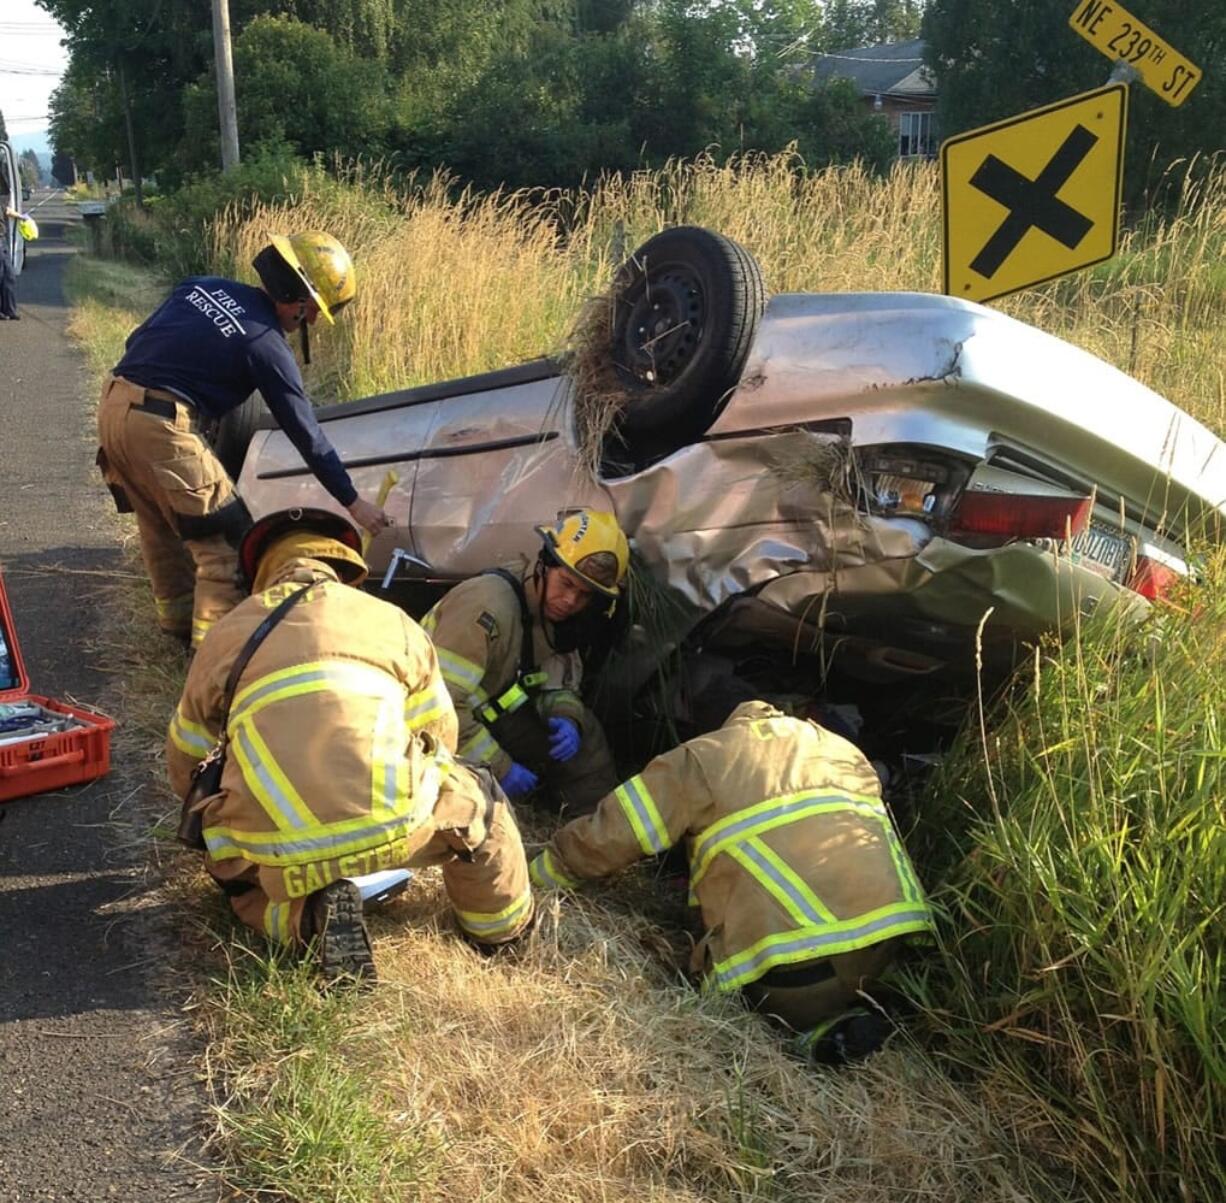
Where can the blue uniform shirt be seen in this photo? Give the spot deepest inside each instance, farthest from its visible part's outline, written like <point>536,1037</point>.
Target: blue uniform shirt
<point>213,342</point>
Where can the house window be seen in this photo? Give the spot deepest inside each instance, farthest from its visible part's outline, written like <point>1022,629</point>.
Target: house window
<point>917,135</point>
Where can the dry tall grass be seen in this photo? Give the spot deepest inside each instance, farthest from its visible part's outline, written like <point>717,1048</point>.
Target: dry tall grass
<point>452,284</point>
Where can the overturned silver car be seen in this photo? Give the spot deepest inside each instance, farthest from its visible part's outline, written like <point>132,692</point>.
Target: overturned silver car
<point>874,485</point>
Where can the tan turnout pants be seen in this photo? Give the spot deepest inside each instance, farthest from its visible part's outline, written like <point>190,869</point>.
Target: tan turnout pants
<point>168,473</point>
<point>804,1007</point>
<point>485,875</point>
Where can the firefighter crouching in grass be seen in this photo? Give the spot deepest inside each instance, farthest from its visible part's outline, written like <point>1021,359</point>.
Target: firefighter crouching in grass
<point>506,646</point>
<point>338,755</point>
<point>805,889</point>
<point>197,357</point>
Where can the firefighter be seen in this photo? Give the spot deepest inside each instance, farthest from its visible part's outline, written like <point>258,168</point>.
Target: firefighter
<point>505,642</point>
<point>198,356</point>
<point>339,756</point>
<point>805,890</point>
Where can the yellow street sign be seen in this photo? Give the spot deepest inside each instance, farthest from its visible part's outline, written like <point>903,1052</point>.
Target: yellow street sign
<point>1122,38</point>
<point>1033,197</point>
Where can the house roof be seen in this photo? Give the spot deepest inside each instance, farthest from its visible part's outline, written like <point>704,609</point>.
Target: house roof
<point>894,68</point>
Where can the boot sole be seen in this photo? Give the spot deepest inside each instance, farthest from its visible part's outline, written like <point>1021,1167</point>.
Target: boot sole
<point>343,943</point>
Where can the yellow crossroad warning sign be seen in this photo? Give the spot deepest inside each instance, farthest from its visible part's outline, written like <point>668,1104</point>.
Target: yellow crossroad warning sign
<point>1122,38</point>
<point>1033,197</point>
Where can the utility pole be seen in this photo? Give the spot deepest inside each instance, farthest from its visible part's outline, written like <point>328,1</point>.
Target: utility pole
<point>133,162</point>
<point>227,110</point>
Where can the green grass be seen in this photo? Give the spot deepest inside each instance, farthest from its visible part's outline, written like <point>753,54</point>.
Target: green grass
<point>306,1118</point>
<point>1083,845</point>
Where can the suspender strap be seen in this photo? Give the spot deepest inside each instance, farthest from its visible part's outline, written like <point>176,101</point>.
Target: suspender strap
<point>240,661</point>
<point>530,678</point>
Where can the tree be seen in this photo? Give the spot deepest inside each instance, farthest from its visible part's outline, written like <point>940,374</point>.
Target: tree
<point>994,61</point>
<point>31,171</point>
<point>63,170</point>
<point>853,23</point>
<point>295,86</point>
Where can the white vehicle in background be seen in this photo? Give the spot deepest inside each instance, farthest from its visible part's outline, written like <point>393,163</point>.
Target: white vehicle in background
<point>868,489</point>
<point>10,186</point>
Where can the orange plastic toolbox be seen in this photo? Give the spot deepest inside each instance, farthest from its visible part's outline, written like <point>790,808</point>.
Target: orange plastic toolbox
<point>39,763</point>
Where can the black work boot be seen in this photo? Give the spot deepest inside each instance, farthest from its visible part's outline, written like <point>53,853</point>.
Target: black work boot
<point>334,923</point>
<point>851,1037</point>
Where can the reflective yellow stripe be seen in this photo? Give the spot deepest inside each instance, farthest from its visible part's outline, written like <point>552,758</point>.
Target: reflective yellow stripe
<point>506,702</point>
<point>175,607</point>
<point>774,812</point>
<point>320,843</point>
<point>276,922</point>
<point>265,779</point>
<point>426,706</point>
<point>480,746</point>
<point>828,940</point>
<point>546,872</point>
<point>389,768</point>
<point>641,813</point>
<point>200,628</point>
<point>499,923</point>
<point>314,677</point>
<point>462,673</point>
<point>781,882</point>
<point>190,738</point>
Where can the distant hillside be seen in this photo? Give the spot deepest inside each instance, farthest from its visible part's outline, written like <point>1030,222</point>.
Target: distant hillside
<point>38,141</point>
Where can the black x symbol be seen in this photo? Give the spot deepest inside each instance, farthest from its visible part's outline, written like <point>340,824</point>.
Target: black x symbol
<point>1032,202</point>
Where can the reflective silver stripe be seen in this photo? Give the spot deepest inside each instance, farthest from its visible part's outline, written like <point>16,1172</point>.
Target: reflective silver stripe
<point>651,830</point>
<point>189,737</point>
<point>355,839</point>
<point>458,670</point>
<point>268,788</point>
<point>480,746</point>
<point>767,869</point>
<point>794,806</point>
<point>495,925</point>
<point>737,970</point>
<point>545,871</point>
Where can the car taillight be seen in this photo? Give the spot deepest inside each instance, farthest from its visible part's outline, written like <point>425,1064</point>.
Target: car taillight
<point>1152,579</point>
<point>1021,516</point>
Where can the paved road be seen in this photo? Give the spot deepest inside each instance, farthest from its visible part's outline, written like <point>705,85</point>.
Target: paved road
<point>96,1087</point>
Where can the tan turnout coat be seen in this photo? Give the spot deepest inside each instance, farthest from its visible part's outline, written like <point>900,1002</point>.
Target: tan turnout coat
<point>339,761</point>
<point>793,856</point>
<point>478,631</point>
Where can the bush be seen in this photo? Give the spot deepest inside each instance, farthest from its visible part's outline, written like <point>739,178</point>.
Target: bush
<point>1085,935</point>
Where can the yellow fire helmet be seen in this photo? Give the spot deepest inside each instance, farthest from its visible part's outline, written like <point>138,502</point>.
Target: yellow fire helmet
<point>27,227</point>
<point>592,545</point>
<point>323,265</point>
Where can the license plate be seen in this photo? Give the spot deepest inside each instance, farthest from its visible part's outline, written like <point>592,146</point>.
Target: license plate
<point>1105,549</point>
<point>1120,36</point>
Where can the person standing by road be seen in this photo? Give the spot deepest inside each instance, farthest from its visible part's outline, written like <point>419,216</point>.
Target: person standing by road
<point>8,277</point>
<point>506,643</point>
<point>209,345</point>
<point>338,762</point>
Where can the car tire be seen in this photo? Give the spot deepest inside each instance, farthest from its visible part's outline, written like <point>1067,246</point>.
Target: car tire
<point>235,430</point>
<point>686,309</point>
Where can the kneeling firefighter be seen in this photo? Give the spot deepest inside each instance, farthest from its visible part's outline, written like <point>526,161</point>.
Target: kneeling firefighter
<point>804,887</point>
<point>209,345</point>
<point>326,735</point>
<point>507,647</point>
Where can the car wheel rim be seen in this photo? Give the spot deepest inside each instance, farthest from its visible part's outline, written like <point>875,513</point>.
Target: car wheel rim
<point>663,326</point>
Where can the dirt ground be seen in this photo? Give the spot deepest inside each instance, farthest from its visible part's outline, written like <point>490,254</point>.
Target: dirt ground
<point>98,1097</point>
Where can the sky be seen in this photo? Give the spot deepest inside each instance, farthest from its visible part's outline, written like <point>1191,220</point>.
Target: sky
<point>29,44</point>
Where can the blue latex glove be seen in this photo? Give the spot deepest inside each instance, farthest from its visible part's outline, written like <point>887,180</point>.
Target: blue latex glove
<point>563,739</point>
<point>518,781</point>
